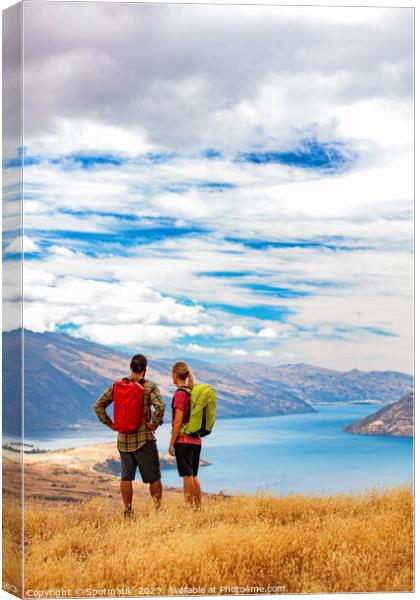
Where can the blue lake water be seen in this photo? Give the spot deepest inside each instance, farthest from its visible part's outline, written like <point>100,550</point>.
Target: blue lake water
<point>282,455</point>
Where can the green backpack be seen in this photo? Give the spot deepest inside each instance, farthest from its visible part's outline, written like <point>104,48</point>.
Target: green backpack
<point>202,410</point>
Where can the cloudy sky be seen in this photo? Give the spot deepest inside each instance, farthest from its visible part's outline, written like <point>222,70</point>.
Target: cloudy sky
<point>224,182</point>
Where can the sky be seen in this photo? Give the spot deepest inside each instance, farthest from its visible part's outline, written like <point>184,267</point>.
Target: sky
<point>230,183</point>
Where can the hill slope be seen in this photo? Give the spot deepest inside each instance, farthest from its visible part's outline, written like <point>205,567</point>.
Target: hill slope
<point>64,376</point>
<point>69,474</point>
<point>295,544</point>
<point>396,419</point>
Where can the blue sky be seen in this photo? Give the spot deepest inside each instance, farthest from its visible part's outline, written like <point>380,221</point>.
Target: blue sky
<point>178,207</point>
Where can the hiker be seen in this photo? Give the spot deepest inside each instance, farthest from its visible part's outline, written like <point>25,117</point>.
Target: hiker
<point>135,422</point>
<point>193,416</point>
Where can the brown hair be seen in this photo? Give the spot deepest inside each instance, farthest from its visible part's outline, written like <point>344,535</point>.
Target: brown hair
<point>182,370</point>
<point>138,363</point>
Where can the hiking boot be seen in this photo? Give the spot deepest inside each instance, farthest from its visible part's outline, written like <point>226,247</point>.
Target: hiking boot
<point>128,512</point>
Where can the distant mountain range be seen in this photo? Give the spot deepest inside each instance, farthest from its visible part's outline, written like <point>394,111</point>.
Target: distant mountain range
<point>64,376</point>
<point>395,419</point>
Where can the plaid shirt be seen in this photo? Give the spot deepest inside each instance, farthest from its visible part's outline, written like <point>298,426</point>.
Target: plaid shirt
<point>130,442</point>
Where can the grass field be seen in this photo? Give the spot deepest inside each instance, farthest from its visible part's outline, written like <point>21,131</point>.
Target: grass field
<point>341,543</point>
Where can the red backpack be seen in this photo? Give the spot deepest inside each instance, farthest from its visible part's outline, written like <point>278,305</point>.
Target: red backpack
<point>128,405</point>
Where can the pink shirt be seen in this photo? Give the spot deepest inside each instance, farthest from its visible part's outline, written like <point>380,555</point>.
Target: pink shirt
<point>182,402</point>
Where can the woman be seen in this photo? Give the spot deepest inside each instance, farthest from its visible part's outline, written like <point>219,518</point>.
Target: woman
<point>186,448</point>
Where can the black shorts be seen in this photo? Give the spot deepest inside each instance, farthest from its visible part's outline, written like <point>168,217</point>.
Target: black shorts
<point>146,459</point>
<point>187,459</point>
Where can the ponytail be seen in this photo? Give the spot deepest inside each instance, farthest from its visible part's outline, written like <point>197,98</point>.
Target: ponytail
<point>183,372</point>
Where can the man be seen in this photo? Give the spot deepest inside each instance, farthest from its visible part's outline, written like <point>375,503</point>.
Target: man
<point>137,449</point>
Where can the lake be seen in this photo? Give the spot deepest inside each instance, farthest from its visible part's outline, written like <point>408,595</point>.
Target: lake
<point>281,455</point>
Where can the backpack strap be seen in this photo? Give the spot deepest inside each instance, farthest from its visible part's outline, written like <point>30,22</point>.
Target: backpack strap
<point>185,388</point>
<point>181,387</point>
<point>132,379</point>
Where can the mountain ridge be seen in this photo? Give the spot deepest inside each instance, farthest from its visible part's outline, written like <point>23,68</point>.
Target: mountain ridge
<point>396,419</point>
<point>65,375</point>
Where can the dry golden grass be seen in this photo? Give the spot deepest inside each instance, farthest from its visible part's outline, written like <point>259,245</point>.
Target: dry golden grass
<point>12,544</point>
<point>342,543</point>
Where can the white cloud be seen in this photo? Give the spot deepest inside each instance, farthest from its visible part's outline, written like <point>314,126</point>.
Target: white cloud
<point>274,202</point>
<point>238,352</point>
<point>267,332</point>
<point>11,295</point>
<point>83,136</point>
<point>373,290</point>
<point>263,353</point>
<point>115,313</point>
<point>114,68</point>
<point>21,244</point>
<point>237,331</point>
<point>197,348</point>
<point>150,336</point>
<point>60,250</point>
<point>198,330</point>
<point>101,83</point>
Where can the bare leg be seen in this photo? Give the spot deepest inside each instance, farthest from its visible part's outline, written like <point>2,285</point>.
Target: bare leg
<point>192,490</point>
<point>197,496</point>
<point>156,492</point>
<point>126,488</point>
<point>189,489</point>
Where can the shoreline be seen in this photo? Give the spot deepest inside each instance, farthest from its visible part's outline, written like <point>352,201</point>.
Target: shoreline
<point>71,474</point>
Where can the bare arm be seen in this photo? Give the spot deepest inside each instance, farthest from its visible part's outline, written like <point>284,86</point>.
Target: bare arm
<point>179,414</point>
<point>158,404</point>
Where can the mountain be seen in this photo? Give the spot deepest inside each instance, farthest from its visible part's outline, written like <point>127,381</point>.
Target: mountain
<point>395,419</point>
<point>318,385</point>
<point>64,376</point>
